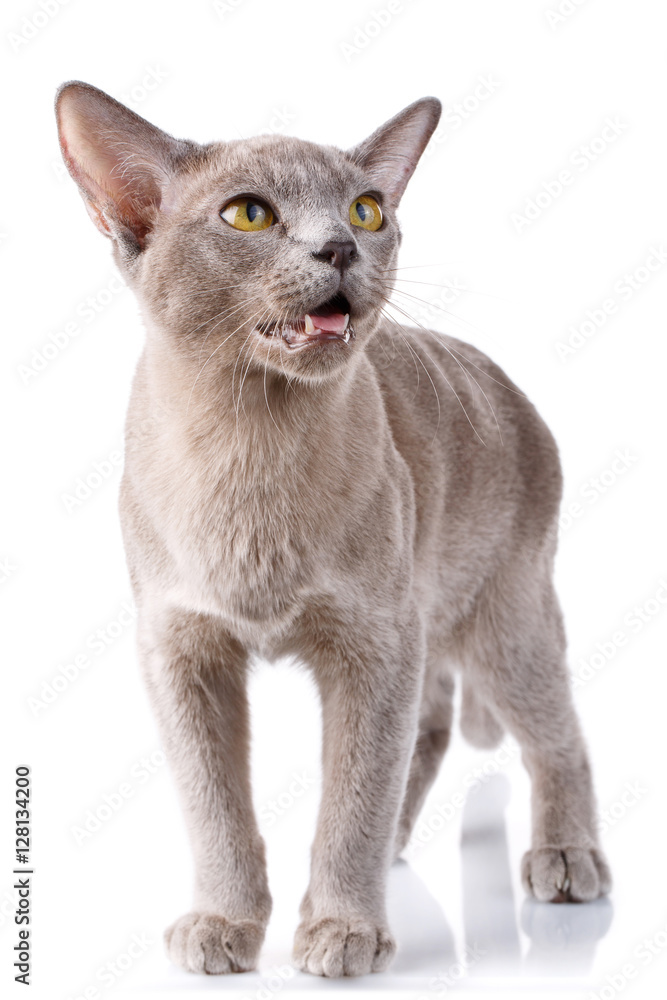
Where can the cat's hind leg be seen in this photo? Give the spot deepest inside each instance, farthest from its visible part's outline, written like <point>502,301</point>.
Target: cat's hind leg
<point>516,657</point>
<point>432,741</point>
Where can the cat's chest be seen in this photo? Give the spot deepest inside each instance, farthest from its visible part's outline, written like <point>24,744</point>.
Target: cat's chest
<point>245,543</point>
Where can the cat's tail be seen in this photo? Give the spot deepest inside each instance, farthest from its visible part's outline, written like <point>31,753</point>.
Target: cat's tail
<point>478,724</point>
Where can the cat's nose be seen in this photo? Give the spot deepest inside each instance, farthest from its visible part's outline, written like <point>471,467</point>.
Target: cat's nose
<point>338,253</point>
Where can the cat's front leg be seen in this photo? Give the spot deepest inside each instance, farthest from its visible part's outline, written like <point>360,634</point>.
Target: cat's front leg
<point>370,685</point>
<point>196,676</point>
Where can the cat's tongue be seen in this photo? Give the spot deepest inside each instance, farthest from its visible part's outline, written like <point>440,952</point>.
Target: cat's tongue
<point>334,322</point>
<point>324,324</point>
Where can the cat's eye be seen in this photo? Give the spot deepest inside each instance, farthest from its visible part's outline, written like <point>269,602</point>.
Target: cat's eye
<point>248,214</point>
<point>365,212</point>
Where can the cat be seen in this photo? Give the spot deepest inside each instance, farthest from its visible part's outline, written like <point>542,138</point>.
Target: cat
<point>306,478</point>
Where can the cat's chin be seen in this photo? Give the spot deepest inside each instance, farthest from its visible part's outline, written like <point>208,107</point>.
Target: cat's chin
<point>311,357</point>
<point>307,356</point>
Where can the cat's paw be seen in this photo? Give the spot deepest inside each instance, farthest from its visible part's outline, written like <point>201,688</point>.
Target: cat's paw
<point>335,947</point>
<point>568,875</point>
<point>208,943</point>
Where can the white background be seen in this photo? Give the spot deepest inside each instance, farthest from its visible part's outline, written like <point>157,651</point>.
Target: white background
<point>328,73</point>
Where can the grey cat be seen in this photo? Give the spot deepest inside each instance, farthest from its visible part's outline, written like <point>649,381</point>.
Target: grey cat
<point>304,477</point>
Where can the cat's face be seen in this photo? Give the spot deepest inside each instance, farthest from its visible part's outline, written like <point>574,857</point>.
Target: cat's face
<point>271,254</point>
<point>260,293</point>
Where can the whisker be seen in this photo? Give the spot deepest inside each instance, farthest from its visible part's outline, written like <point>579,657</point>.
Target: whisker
<point>467,374</point>
<point>413,355</point>
<point>238,401</point>
<point>291,379</point>
<point>430,304</point>
<point>456,288</point>
<point>413,267</point>
<point>509,388</point>
<point>210,319</point>
<point>409,346</point>
<point>437,366</point>
<point>225,315</point>
<point>426,330</point>
<point>221,344</point>
<point>244,375</point>
<point>438,333</point>
<point>266,397</point>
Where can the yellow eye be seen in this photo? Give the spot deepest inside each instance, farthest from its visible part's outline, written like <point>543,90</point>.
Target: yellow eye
<point>366,212</point>
<point>248,214</point>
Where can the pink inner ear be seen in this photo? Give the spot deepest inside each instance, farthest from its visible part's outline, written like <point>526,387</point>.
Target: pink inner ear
<point>110,182</point>
<point>115,157</point>
<point>97,217</point>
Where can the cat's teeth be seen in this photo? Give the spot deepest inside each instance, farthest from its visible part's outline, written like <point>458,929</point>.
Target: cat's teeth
<point>346,336</point>
<point>347,320</point>
<point>309,325</point>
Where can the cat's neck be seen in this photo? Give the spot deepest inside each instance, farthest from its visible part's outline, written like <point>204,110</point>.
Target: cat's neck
<point>256,417</point>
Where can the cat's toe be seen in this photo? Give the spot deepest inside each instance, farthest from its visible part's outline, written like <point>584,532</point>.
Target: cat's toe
<point>568,875</point>
<point>209,943</point>
<point>335,947</point>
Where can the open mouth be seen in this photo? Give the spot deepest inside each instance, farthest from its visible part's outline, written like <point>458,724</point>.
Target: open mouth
<point>330,321</point>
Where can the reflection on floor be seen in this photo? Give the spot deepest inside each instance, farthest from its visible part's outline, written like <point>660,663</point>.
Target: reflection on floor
<point>562,937</point>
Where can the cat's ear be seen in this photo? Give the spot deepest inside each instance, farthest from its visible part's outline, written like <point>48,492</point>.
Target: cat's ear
<point>389,156</point>
<point>120,162</point>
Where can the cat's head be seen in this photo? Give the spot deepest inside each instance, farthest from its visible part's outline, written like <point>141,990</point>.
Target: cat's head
<point>273,251</point>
